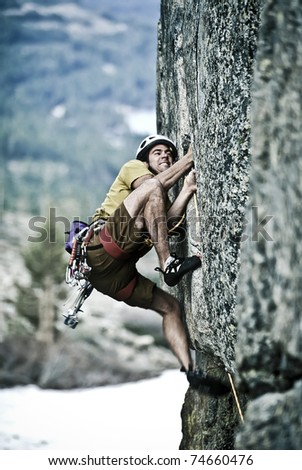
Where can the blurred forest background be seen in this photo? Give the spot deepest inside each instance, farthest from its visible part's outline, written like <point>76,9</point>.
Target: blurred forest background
<point>77,96</point>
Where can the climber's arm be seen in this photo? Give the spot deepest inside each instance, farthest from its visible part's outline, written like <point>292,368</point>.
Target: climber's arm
<point>178,207</point>
<point>170,176</point>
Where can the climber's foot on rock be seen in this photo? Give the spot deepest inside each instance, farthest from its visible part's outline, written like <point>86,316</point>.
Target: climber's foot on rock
<point>207,385</point>
<point>175,268</point>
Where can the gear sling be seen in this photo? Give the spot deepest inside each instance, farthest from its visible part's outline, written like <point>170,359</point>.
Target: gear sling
<point>78,270</point>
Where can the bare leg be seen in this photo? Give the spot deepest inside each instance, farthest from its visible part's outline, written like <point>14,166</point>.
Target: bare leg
<point>147,204</point>
<point>168,307</point>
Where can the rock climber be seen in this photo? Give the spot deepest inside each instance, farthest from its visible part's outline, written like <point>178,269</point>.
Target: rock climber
<point>135,216</point>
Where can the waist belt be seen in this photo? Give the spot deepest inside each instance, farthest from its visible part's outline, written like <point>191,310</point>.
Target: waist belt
<point>111,247</point>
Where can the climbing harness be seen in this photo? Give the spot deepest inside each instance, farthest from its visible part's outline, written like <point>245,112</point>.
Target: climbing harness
<point>78,270</point>
<point>111,247</point>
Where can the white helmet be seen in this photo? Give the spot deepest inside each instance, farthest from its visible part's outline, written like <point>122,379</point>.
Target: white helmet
<point>150,141</point>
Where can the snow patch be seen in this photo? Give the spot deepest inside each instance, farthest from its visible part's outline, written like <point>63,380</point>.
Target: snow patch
<point>139,121</point>
<point>144,416</point>
<point>59,111</point>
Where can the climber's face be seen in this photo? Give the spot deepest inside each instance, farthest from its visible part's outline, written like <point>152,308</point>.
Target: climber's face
<point>160,158</point>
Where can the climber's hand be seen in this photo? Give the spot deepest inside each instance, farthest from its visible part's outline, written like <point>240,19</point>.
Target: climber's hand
<point>190,181</point>
<point>189,154</point>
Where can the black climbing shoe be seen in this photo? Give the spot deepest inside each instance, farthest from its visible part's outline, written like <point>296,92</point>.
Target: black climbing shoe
<point>178,267</point>
<point>206,385</point>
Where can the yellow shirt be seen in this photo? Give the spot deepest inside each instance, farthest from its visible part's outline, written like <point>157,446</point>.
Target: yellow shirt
<point>121,187</point>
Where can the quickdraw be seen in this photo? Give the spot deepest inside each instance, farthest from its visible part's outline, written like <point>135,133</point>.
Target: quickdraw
<point>71,317</point>
<point>78,270</point>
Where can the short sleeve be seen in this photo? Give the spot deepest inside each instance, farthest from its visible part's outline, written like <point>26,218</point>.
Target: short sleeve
<point>132,170</point>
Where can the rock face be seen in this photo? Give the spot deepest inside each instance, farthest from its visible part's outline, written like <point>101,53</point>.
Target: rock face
<point>243,119</point>
<point>269,346</point>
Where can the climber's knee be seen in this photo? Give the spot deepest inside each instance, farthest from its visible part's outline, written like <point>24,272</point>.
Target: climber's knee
<point>151,191</point>
<point>164,303</point>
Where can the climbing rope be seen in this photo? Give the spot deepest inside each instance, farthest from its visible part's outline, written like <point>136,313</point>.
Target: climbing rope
<point>236,397</point>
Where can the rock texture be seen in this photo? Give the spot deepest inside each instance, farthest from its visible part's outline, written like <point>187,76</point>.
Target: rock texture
<point>269,342</point>
<point>207,89</point>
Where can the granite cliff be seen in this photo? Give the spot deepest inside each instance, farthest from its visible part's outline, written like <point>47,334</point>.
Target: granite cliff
<point>228,77</point>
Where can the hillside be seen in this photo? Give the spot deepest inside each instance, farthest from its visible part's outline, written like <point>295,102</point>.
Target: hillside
<point>77,93</point>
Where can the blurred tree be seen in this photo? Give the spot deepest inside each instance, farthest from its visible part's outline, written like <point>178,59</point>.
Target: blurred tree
<point>38,302</point>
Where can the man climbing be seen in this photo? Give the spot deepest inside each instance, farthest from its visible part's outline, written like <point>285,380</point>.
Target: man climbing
<point>136,215</point>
